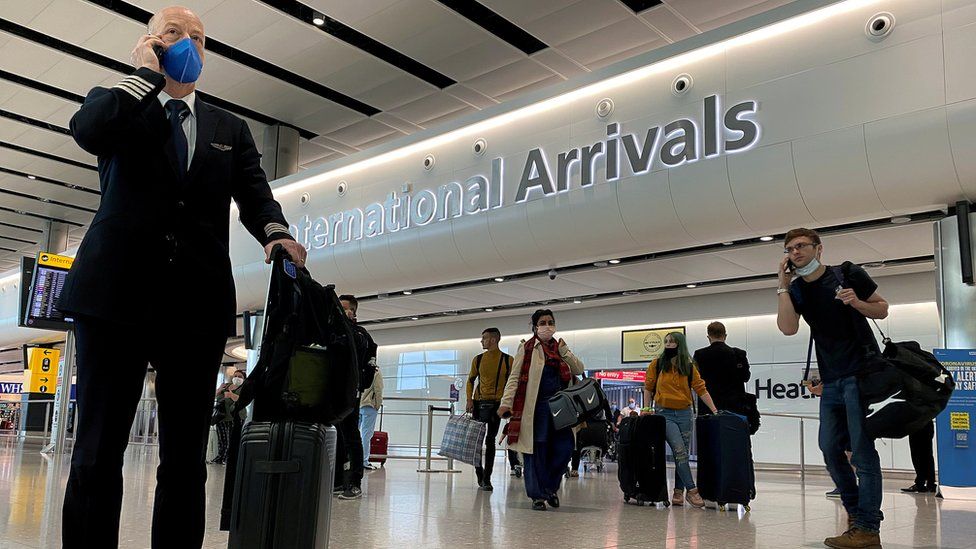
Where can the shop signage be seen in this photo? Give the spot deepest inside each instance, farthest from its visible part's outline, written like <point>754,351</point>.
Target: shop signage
<point>638,376</point>
<point>625,151</point>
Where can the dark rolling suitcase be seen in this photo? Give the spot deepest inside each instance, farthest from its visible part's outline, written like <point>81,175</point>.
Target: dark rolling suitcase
<point>725,470</point>
<point>641,464</point>
<point>283,493</point>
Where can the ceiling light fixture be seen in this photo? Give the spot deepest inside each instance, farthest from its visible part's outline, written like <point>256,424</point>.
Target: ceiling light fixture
<point>765,238</point>
<point>407,292</point>
<point>691,285</point>
<point>901,219</point>
<point>728,243</point>
<point>318,19</point>
<point>615,262</point>
<point>415,318</point>
<point>577,301</point>
<point>499,279</point>
<point>488,309</point>
<point>34,177</point>
<point>631,292</point>
<point>600,264</point>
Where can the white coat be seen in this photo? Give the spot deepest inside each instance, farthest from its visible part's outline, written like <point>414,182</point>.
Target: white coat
<point>525,441</point>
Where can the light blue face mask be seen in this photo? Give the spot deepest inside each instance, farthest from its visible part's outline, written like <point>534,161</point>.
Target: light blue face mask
<point>809,269</point>
<point>182,61</point>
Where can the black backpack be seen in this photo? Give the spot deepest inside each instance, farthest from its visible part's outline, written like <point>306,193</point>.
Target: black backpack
<point>308,369</point>
<point>910,384</point>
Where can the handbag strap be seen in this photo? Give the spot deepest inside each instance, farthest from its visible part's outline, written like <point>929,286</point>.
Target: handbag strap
<point>884,339</point>
<point>806,372</point>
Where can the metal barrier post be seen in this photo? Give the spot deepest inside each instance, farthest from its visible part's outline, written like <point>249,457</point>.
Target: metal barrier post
<point>803,466</point>
<point>430,435</point>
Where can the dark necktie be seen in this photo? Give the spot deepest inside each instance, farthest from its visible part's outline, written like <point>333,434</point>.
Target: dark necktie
<point>177,111</point>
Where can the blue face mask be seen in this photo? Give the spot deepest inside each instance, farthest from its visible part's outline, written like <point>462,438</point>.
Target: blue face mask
<point>182,61</point>
<point>809,269</point>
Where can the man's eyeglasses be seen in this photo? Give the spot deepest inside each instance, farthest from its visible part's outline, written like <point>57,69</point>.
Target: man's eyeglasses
<point>797,247</point>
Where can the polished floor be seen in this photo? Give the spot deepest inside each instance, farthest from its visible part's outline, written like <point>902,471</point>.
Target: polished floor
<point>403,508</point>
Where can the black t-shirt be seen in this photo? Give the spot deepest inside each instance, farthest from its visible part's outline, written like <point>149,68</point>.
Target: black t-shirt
<point>842,335</point>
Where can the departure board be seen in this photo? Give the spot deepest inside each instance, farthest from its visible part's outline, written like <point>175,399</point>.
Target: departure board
<point>50,272</point>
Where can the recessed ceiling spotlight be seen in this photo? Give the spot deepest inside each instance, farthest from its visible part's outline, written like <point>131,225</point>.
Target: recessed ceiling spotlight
<point>577,301</point>
<point>728,243</point>
<point>614,261</point>
<point>488,309</point>
<point>901,219</point>
<point>691,285</point>
<point>874,265</point>
<point>600,264</point>
<point>499,279</point>
<point>765,238</point>
<point>407,292</point>
<point>318,20</point>
<point>631,292</point>
<point>415,318</point>
<point>32,177</point>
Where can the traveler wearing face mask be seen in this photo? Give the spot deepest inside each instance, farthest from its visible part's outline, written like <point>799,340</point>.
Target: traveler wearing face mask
<point>542,366</point>
<point>169,166</point>
<point>670,380</point>
<point>226,397</point>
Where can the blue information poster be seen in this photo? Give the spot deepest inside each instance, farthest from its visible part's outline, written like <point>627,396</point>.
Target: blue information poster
<point>957,449</point>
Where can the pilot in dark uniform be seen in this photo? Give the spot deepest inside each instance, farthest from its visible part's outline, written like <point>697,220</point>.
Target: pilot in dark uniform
<point>152,280</point>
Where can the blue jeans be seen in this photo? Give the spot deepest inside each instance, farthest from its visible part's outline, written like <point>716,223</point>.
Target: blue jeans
<point>842,419</point>
<point>367,424</point>
<point>679,424</point>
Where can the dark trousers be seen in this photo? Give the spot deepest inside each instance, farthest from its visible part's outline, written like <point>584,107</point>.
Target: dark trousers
<point>112,360</point>
<point>920,443</point>
<point>349,450</point>
<point>224,429</point>
<point>546,465</point>
<point>494,424</point>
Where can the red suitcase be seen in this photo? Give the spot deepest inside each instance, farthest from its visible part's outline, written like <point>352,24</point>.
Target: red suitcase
<point>379,445</point>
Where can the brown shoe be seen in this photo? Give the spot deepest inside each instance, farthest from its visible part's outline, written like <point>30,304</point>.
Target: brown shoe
<point>855,538</point>
<point>678,498</point>
<point>694,499</point>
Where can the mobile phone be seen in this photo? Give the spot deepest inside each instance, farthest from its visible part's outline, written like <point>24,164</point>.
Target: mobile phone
<point>790,266</point>
<point>159,52</point>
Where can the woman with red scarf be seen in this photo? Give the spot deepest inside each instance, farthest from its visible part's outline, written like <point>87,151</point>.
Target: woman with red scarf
<point>544,366</point>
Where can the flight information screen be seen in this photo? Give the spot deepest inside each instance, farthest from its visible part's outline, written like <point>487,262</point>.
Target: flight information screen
<point>47,281</point>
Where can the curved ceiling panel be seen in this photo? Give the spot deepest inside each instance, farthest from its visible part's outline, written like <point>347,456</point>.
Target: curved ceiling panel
<point>704,202</point>
<point>765,189</point>
<point>911,162</point>
<point>836,164</point>
<point>648,212</point>
<point>962,138</point>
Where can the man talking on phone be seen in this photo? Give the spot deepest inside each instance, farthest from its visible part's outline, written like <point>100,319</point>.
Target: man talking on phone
<point>152,280</point>
<point>836,303</point>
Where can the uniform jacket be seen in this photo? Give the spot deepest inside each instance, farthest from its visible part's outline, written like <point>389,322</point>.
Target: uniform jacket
<point>525,441</point>
<point>158,245</point>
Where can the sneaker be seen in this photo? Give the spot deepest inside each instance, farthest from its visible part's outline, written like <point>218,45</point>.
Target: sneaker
<point>553,502</point>
<point>517,471</point>
<point>833,494</point>
<point>486,486</point>
<point>369,466</point>
<point>573,474</point>
<point>855,538</point>
<point>694,499</point>
<point>353,492</point>
<point>915,489</point>
<point>678,498</point>
<point>538,505</point>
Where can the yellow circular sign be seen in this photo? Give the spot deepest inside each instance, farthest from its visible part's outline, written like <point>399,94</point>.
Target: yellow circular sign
<point>653,342</point>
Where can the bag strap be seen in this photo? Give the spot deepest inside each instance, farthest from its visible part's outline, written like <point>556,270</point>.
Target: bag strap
<point>884,339</point>
<point>498,374</point>
<point>806,372</point>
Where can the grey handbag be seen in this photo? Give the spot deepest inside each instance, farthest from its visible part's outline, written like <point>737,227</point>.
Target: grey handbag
<point>578,403</point>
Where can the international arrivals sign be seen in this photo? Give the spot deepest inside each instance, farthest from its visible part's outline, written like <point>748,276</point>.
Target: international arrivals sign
<point>625,151</point>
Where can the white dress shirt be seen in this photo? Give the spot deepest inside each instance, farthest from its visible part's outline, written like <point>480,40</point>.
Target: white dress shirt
<point>189,123</point>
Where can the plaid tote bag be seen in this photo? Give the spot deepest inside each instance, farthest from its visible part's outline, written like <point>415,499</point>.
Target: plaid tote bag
<point>464,440</point>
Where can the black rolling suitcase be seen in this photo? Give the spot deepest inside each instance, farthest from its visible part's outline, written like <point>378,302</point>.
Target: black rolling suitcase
<point>283,493</point>
<point>725,469</point>
<point>641,464</point>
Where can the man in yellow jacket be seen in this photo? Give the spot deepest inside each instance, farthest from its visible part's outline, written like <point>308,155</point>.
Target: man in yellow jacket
<point>490,370</point>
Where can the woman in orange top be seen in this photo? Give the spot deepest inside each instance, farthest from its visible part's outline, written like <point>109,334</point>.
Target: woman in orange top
<point>670,379</point>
